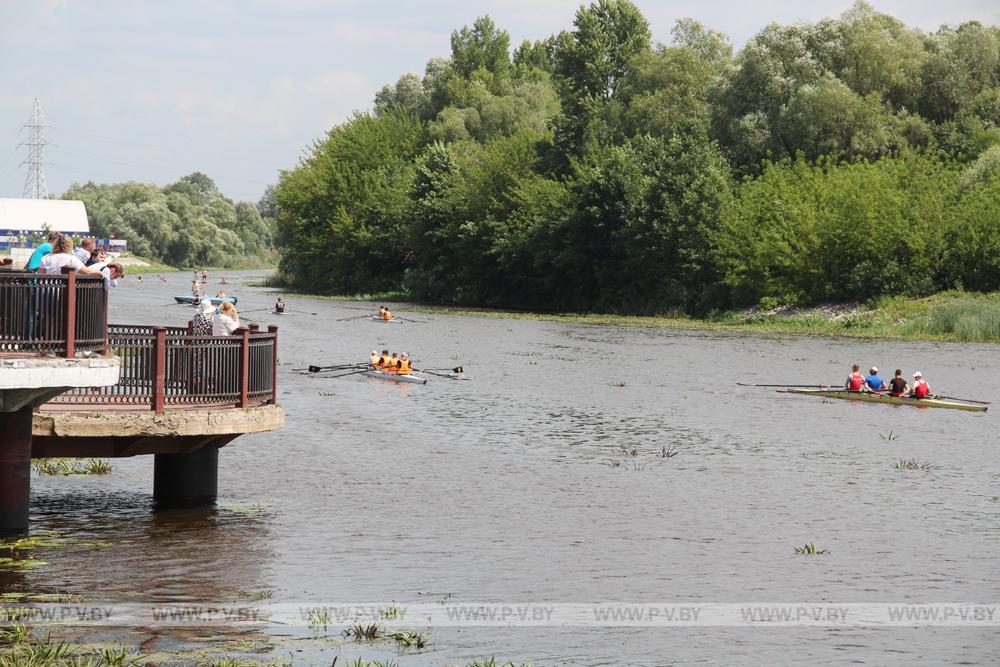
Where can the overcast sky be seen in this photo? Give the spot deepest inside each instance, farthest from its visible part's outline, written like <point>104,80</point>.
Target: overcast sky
<point>154,90</point>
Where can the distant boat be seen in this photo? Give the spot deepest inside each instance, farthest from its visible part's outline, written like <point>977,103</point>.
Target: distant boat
<point>216,300</point>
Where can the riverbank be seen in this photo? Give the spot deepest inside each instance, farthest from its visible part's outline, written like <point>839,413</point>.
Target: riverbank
<point>145,266</point>
<point>953,316</point>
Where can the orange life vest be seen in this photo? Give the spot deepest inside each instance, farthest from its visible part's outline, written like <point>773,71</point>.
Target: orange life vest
<point>373,360</point>
<point>386,314</point>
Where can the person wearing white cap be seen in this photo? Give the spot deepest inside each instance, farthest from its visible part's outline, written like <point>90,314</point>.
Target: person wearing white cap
<point>920,387</point>
<point>874,381</point>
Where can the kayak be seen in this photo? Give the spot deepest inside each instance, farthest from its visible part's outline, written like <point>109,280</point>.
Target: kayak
<point>382,319</point>
<point>216,300</point>
<point>394,377</point>
<point>885,398</point>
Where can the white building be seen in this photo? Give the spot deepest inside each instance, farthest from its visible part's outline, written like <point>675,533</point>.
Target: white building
<point>20,217</point>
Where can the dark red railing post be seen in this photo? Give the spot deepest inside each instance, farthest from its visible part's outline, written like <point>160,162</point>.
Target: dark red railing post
<point>70,311</point>
<point>159,370</point>
<point>107,346</point>
<point>273,330</point>
<point>245,368</point>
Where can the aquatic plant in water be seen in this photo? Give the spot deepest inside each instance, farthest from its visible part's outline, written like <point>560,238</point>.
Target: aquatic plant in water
<point>912,464</point>
<point>364,632</point>
<point>408,639</point>
<point>667,452</point>
<point>319,619</point>
<point>810,549</point>
<point>67,467</point>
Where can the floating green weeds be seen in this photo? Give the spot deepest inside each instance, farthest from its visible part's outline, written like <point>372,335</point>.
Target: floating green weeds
<point>254,509</point>
<point>71,467</point>
<point>15,598</point>
<point>810,549</point>
<point>17,564</point>
<point>259,595</point>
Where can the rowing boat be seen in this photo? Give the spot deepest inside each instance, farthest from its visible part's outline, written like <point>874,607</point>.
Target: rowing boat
<point>382,319</point>
<point>394,377</point>
<point>216,300</point>
<point>872,397</point>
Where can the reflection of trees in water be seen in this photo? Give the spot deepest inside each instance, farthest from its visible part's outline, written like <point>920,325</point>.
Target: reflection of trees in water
<point>169,556</point>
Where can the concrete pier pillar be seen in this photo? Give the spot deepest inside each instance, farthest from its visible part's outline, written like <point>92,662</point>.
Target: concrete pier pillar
<point>15,470</point>
<point>186,480</point>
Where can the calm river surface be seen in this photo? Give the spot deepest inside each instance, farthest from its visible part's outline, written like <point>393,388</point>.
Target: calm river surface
<point>502,489</point>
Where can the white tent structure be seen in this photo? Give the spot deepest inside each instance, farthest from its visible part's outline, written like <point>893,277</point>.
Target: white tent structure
<point>30,216</point>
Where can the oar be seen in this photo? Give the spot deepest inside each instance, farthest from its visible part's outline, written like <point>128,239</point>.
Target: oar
<point>335,367</point>
<point>356,317</point>
<point>797,386</point>
<point>342,375</point>
<point>965,400</point>
<point>457,369</point>
<point>406,319</point>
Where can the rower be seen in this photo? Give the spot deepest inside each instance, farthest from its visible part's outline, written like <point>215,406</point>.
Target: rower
<point>920,387</point>
<point>383,359</point>
<point>373,359</point>
<point>874,381</point>
<point>855,381</point>
<point>386,314</point>
<point>279,307</point>
<point>404,364</point>
<point>381,312</point>
<point>897,385</point>
<point>394,363</point>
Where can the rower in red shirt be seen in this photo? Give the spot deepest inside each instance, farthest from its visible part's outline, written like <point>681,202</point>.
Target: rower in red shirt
<point>920,387</point>
<point>855,381</point>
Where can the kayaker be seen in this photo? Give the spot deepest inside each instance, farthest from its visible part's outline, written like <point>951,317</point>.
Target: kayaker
<point>874,381</point>
<point>920,387</point>
<point>855,381</point>
<point>897,385</point>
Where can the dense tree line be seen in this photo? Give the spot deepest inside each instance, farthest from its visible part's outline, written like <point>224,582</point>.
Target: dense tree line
<point>598,170</point>
<point>187,223</point>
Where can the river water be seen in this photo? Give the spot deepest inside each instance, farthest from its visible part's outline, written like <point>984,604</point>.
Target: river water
<point>504,488</point>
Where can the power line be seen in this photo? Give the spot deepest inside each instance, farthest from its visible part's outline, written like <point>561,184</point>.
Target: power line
<point>35,186</point>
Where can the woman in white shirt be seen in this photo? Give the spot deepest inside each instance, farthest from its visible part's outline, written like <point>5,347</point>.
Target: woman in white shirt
<point>226,321</point>
<point>62,255</point>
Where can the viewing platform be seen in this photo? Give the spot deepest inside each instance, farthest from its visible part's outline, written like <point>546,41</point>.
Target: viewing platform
<point>73,386</point>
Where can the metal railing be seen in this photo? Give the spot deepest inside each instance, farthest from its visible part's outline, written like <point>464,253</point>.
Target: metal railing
<point>168,367</point>
<point>61,315</point>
